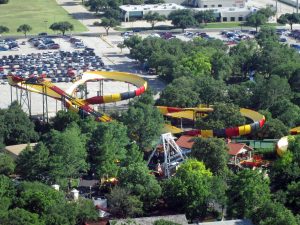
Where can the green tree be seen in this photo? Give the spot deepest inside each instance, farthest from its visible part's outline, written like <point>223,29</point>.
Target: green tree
<point>180,93</point>
<point>293,196</point>
<point>221,65</point>
<point>85,210</point>
<point>197,64</point>
<point>273,213</point>
<point>112,13</point>
<point>266,34</point>
<point>133,41</point>
<point>190,189</point>
<point>213,153</point>
<point>290,18</point>
<point>67,153</point>
<point>62,27</point>
<point>24,28</point>
<point>97,5</point>
<point>64,118</point>
<point>123,204</point>
<point>294,81</point>
<point>241,94</point>
<point>209,90</point>
<point>7,164</point>
<point>287,112</point>
<point>256,20</point>
<point>18,216</point>
<point>32,164</point>
<point>7,193</point>
<point>107,147</point>
<point>18,128</point>
<point>154,18</point>
<point>38,197</point>
<point>121,46</point>
<point>243,56</point>
<point>3,29</point>
<point>206,16</point>
<point>182,18</point>
<point>144,124</point>
<point>136,177</point>
<point>247,192</point>
<point>224,115</point>
<point>133,155</point>
<point>266,92</point>
<point>43,200</point>
<point>108,23</point>
<point>4,1</point>
<point>268,12</point>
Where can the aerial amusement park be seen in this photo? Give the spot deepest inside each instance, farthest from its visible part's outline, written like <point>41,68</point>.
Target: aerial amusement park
<point>167,155</point>
<point>150,113</point>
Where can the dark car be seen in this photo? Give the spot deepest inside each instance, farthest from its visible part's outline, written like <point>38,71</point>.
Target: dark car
<point>136,30</point>
<point>53,46</point>
<point>42,34</point>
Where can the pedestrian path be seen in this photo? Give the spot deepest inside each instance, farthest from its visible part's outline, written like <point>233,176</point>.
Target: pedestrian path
<point>79,12</point>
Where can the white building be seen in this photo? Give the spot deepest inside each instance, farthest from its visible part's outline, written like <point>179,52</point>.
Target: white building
<point>222,13</point>
<point>219,4</point>
<point>138,11</point>
<point>210,3</point>
<point>230,14</point>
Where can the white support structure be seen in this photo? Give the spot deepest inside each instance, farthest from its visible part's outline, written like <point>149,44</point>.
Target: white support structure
<point>172,154</point>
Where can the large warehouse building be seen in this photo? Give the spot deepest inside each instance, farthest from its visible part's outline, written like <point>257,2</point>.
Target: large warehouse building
<point>225,10</point>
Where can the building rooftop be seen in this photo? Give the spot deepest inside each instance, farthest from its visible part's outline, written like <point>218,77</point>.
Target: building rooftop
<point>173,6</point>
<point>15,150</point>
<point>229,222</point>
<point>228,9</point>
<point>236,148</point>
<point>180,218</point>
<point>151,7</point>
<point>185,141</point>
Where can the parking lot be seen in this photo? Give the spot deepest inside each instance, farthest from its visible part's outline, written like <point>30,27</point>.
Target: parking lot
<point>104,48</point>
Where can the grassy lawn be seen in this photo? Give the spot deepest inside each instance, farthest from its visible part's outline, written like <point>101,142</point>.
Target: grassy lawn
<point>223,25</point>
<point>39,14</point>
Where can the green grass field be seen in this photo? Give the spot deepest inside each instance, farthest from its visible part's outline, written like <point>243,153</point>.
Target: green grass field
<point>223,25</point>
<point>39,14</point>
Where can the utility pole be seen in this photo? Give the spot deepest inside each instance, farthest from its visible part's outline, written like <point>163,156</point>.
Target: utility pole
<point>297,5</point>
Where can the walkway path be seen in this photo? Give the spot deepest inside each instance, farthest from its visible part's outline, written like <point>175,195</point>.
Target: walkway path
<point>79,12</point>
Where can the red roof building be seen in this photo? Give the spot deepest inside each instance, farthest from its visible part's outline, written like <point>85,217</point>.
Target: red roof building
<point>239,152</point>
<point>185,141</point>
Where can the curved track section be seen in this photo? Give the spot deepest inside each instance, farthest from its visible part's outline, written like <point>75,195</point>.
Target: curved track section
<point>81,106</point>
<point>140,83</point>
<point>191,113</point>
<point>283,143</point>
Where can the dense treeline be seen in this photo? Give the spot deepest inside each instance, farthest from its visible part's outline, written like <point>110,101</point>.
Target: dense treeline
<point>71,147</point>
<point>261,74</point>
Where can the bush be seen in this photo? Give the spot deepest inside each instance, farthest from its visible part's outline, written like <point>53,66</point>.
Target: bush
<point>97,23</point>
<point>4,1</point>
<point>164,222</point>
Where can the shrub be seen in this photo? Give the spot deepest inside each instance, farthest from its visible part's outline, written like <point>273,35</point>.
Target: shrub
<point>4,1</point>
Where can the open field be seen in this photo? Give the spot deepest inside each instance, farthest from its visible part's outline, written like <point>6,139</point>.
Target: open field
<point>39,14</point>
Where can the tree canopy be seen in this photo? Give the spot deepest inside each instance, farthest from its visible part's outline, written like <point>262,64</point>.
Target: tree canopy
<point>24,28</point>
<point>62,27</point>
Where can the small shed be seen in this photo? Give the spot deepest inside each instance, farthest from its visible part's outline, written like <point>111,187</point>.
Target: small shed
<point>239,152</point>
